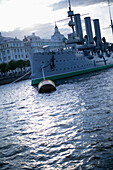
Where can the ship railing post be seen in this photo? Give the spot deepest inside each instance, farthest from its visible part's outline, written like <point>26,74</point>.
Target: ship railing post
<point>43,72</point>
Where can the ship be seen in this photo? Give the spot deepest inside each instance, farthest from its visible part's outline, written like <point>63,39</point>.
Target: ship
<point>80,55</point>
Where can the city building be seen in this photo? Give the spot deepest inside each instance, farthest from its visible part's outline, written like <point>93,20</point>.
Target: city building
<point>36,44</point>
<point>15,49</point>
<point>11,49</point>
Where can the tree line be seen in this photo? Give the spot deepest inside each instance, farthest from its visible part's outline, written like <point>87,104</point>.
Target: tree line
<point>13,65</point>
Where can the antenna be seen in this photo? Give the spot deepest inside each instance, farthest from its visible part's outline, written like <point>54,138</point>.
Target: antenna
<point>69,5</point>
<point>110,16</point>
<point>68,18</point>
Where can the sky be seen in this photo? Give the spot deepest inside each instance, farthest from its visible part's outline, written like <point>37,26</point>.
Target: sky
<point>24,17</point>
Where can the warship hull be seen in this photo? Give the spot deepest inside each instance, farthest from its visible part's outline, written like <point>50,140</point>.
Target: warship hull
<point>65,64</point>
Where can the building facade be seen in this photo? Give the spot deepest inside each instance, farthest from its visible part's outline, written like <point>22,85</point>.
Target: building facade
<point>15,49</point>
<point>36,44</point>
<point>11,49</point>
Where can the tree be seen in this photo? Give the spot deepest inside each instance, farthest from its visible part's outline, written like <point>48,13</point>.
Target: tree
<point>12,65</point>
<point>20,64</point>
<point>28,63</point>
<point>4,68</point>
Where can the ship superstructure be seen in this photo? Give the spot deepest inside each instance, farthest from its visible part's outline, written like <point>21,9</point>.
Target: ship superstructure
<point>80,55</point>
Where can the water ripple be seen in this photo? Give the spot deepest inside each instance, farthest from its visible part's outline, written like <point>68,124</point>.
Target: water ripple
<point>71,128</point>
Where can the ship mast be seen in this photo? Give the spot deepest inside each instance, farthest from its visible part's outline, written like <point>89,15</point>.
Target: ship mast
<point>110,16</point>
<point>71,14</point>
<point>69,5</point>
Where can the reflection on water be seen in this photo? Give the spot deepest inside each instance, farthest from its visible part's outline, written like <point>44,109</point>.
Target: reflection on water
<point>70,128</point>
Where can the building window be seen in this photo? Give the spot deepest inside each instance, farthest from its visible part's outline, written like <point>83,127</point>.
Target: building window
<point>3,52</point>
<point>7,51</point>
<point>9,57</point>
<point>15,50</point>
<point>18,56</point>
<point>15,56</point>
<point>5,59</point>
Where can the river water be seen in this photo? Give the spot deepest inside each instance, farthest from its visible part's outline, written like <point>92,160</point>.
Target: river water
<point>71,128</point>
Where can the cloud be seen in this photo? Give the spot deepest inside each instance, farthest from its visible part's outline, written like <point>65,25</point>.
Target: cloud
<point>63,3</point>
<point>42,30</point>
<point>3,1</point>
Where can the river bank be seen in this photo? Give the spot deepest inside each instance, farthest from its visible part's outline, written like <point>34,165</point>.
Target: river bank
<point>10,79</point>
